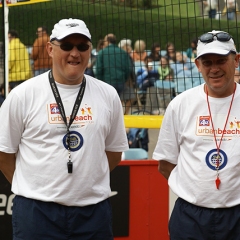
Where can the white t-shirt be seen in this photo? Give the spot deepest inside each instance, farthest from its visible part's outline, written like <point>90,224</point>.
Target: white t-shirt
<point>32,127</point>
<point>186,139</point>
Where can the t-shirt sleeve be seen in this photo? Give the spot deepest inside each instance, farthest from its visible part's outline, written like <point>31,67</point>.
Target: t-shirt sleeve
<point>12,123</point>
<point>167,147</point>
<point>116,140</point>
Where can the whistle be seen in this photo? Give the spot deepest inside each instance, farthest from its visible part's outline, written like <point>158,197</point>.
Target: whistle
<point>70,167</point>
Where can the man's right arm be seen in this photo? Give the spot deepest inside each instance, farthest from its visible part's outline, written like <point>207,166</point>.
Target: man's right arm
<point>165,168</point>
<point>34,53</point>
<point>7,165</point>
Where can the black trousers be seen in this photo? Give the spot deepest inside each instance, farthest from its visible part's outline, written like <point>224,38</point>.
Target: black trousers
<point>189,221</point>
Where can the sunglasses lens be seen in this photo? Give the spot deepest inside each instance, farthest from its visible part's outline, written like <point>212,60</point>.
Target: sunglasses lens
<point>223,37</point>
<point>66,46</point>
<point>209,37</point>
<point>83,47</point>
<point>206,38</point>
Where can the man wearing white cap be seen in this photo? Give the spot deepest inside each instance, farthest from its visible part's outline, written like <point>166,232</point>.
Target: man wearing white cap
<point>61,134</point>
<point>198,147</point>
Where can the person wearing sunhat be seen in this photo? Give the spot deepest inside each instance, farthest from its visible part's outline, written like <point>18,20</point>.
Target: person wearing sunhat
<point>198,146</point>
<point>62,133</point>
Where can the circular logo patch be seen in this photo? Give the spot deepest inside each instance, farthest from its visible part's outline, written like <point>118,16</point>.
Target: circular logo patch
<point>76,141</point>
<point>212,158</point>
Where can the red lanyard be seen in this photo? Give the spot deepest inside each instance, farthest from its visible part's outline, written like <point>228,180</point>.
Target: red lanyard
<point>217,181</point>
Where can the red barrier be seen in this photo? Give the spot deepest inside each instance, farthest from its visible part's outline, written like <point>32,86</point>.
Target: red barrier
<point>149,201</point>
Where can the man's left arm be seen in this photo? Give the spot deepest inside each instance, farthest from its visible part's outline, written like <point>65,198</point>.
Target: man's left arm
<point>7,165</point>
<point>114,158</point>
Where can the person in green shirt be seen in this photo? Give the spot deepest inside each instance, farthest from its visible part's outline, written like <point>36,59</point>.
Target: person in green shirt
<point>113,64</point>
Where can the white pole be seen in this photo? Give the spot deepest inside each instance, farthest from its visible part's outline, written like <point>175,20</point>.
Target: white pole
<point>6,23</point>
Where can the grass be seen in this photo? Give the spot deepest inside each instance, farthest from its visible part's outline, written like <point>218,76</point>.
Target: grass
<point>177,21</point>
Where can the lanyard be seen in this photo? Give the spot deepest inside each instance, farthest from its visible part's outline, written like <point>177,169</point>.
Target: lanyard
<point>62,111</point>
<point>217,181</point>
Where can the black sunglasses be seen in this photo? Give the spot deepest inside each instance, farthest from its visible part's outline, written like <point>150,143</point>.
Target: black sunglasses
<point>82,47</point>
<point>209,37</point>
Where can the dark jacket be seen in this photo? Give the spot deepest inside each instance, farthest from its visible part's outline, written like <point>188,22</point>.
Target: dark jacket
<point>113,65</point>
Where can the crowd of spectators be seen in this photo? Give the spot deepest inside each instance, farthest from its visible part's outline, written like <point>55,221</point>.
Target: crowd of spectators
<point>149,68</point>
<point>143,68</point>
<point>133,72</point>
<point>212,9</point>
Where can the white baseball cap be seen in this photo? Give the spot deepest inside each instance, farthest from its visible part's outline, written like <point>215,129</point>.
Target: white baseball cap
<point>215,44</point>
<point>66,27</point>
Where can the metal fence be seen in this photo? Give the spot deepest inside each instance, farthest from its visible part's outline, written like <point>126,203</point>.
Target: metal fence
<point>153,21</point>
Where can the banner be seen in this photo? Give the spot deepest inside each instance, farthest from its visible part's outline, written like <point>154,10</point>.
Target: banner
<point>6,202</point>
<point>21,2</point>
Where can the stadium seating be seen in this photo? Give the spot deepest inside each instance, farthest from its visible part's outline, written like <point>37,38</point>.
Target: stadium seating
<point>182,84</point>
<point>135,154</point>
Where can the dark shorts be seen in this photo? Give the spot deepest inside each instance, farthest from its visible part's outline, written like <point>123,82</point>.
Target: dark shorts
<point>37,220</point>
<point>198,223</point>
